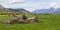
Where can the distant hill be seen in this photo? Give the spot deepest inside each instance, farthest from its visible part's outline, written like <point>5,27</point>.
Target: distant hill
<point>18,10</point>
<point>44,11</point>
<point>2,9</point>
<point>21,10</point>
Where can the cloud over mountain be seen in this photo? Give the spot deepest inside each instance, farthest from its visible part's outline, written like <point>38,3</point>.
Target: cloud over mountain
<point>30,4</point>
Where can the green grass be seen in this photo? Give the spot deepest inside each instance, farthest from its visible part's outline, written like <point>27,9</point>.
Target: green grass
<point>46,22</point>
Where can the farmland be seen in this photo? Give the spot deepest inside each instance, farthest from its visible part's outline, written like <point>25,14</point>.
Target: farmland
<point>46,22</point>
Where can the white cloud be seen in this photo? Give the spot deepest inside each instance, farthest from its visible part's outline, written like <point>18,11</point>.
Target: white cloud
<point>10,1</point>
<point>15,1</point>
<point>55,5</point>
<point>30,9</point>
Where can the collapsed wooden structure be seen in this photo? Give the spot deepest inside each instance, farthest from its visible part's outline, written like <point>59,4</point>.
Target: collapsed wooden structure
<point>20,20</point>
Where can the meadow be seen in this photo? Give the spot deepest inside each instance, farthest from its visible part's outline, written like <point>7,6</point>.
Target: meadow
<point>46,22</point>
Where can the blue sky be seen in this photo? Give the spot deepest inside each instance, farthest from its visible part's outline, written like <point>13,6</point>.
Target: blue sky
<point>30,5</point>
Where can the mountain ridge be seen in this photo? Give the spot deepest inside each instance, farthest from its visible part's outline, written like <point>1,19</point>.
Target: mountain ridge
<point>21,10</point>
<point>44,11</point>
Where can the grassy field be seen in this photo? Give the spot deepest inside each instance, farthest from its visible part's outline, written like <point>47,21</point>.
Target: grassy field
<point>46,22</point>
